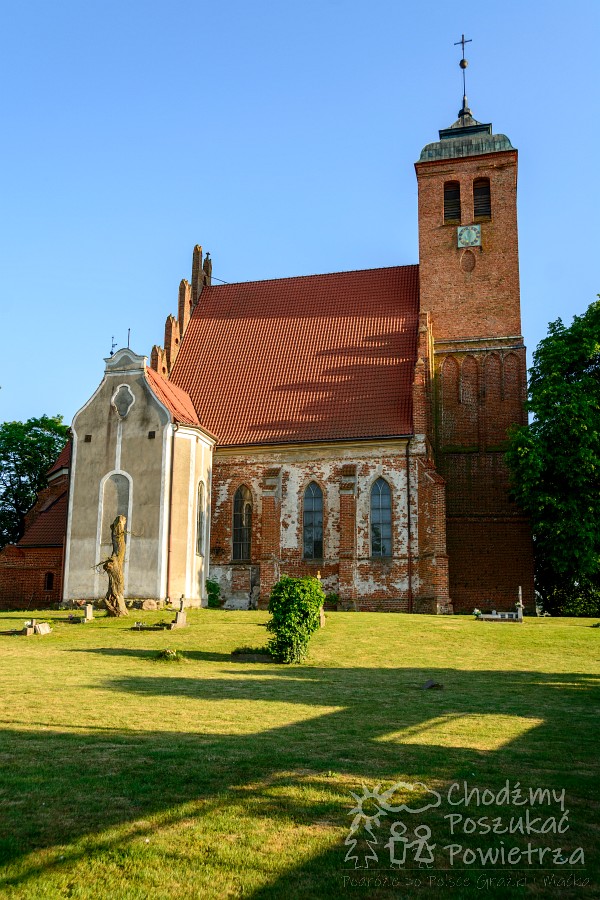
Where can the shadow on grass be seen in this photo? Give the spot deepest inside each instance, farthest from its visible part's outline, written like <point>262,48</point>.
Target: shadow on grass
<point>195,655</point>
<point>381,729</point>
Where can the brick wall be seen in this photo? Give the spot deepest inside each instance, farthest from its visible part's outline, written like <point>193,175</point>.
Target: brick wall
<point>22,577</point>
<point>479,393</point>
<point>433,596</point>
<point>494,557</point>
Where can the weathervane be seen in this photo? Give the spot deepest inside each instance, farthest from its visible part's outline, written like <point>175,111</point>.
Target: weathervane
<point>112,345</point>
<point>465,111</point>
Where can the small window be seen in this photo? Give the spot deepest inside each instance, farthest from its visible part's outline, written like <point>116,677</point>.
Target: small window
<point>49,581</point>
<point>200,521</point>
<point>381,519</point>
<point>242,524</point>
<point>313,522</point>
<point>87,439</point>
<point>451,202</point>
<point>151,435</point>
<point>482,201</point>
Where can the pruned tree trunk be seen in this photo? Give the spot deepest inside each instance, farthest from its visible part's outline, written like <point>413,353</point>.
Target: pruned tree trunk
<point>113,566</point>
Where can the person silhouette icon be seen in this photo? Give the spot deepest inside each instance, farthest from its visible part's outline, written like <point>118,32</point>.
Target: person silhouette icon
<point>423,849</point>
<point>397,836</point>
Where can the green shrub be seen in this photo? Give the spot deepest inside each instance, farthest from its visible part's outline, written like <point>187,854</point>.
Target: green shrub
<point>213,589</point>
<point>294,606</point>
<point>168,655</point>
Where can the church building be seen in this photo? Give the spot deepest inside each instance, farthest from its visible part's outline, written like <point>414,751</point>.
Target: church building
<point>351,425</point>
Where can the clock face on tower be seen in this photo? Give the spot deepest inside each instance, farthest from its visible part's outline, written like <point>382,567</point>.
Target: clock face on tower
<point>469,235</point>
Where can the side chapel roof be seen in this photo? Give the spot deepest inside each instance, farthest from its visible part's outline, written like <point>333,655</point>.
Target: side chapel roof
<point>312,358</point>
<point>63,460</point>
<point>49,526</point>
<point>176,400</point>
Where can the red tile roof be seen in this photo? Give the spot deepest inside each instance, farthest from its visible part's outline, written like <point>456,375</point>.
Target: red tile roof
<point>174,398</point>
<point>49,527</point>
<point>319,357</point>
<point>63,460</point>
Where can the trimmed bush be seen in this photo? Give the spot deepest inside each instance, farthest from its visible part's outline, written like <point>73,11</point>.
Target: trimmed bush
<point>213,590</point>
<point>294,606</point>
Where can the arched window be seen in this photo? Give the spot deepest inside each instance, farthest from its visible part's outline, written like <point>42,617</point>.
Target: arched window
<point>200,520</point>
<point>49,581</point>
<point>313,522</point>
<point>451,202</point>
<point>381,519</point>
<point>482,201</point>
<point>242,524</point>
<point>115,496</point>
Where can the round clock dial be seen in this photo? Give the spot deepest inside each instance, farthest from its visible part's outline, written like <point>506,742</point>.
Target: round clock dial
<point>469,236</point>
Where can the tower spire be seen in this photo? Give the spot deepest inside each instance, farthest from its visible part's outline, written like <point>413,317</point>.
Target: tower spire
<point>465,111</point>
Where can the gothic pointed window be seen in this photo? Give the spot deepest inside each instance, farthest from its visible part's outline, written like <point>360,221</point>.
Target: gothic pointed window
<point>451,202</point>
<point>312,529</point>
<point>381,519</point>
<point>242,524</point>
<point>482,201</point>
<point>200,520</point>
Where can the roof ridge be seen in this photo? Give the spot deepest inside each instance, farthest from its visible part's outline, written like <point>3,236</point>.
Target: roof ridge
<point>316,275</point>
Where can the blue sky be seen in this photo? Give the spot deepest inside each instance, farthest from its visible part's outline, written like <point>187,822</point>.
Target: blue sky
<point>282,138</point>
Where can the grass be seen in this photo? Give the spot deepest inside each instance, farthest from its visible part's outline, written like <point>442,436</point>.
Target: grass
<point>225,777</point>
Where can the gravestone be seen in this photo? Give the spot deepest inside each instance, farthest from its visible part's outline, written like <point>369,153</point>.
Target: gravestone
<point>180,620</point>
<point>42,628</point>
<point>89,612</point>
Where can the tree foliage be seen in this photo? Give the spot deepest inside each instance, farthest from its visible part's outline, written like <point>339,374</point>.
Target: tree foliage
<point>555,462</point>
<point>294,605</point>
<point>27,451</point>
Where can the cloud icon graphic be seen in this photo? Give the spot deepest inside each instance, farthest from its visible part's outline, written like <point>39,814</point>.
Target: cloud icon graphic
<point>423,798</point>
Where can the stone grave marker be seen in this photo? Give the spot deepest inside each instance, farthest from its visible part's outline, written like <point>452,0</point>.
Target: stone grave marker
<point>180,620</point>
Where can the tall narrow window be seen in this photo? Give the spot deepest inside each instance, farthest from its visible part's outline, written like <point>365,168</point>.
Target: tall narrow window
<point>451,202</point>
<point>381,519</point>
<point>242,524</point>
<point>313,522</point>
<point>49,581</point>
<point>482,201</point>
<point>200,521</point>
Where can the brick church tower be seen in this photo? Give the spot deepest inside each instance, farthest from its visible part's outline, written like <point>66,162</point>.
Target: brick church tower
<point>469,286</point>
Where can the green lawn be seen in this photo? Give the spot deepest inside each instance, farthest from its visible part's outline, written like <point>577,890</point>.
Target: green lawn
<point>125,777</point>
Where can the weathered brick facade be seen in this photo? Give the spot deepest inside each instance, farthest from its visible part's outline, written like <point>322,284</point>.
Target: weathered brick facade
<point>413,577</point>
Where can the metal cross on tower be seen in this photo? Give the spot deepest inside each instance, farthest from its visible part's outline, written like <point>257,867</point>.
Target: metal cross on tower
<point>463,64</point>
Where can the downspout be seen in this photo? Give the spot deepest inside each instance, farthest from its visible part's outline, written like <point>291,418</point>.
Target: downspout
<point>409,530</point>
<point>175,429</point>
